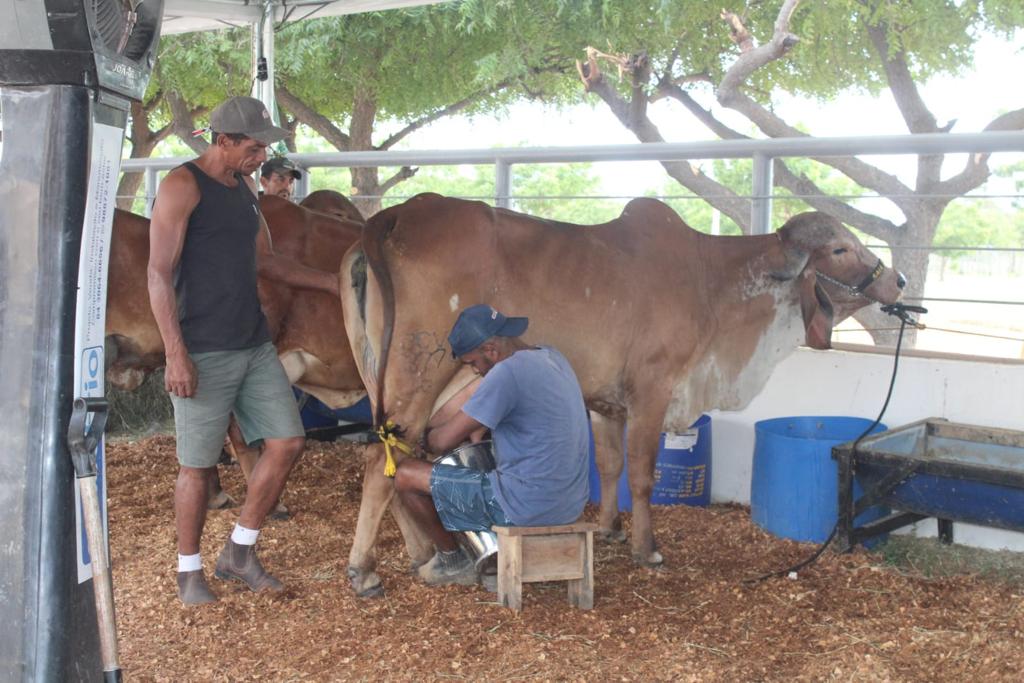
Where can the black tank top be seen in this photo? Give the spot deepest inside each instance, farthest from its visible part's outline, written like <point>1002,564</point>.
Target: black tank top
<point>215,281</point>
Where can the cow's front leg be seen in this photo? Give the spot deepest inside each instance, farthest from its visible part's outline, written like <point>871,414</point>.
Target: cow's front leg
<point>609,459</point>
<point>377,493</point>
<point>642,446</point>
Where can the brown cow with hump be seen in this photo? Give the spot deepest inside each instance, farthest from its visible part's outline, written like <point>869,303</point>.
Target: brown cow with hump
<point>659,321</point>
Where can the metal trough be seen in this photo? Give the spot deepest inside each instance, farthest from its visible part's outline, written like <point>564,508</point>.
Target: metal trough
<point>933,468</point>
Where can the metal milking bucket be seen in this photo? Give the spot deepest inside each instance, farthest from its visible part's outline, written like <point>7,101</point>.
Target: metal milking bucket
<point>482,546</point>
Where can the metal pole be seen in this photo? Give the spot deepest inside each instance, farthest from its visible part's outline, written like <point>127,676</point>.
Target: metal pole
<point>502,184</point>
<point>263,59</point>
<point>761,195</point>
<point>301,187</point>
<point>151,185</point>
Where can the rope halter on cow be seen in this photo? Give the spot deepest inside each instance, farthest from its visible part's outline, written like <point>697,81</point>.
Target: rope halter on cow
<point>858,289</point>
<point>388,435</point>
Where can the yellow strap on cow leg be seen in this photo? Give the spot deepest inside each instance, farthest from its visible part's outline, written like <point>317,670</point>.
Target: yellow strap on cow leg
<point>387,436</point>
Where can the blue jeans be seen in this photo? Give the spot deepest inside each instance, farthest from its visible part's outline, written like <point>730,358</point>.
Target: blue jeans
<point>464,499</point>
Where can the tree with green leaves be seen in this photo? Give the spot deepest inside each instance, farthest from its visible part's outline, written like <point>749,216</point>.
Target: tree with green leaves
<point>398,71</point>
<point>361,82</point>
<point>718,63</point>
<point>370,81</point>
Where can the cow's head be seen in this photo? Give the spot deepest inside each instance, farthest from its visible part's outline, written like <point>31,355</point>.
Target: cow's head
<point>837,274</point>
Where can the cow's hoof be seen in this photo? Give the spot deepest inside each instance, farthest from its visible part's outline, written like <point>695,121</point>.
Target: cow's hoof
<point>651,560</point>
<point>611,535</point>
<point>372,592</point>
<point>221,501</point>
<point>365,584</point>
<point>281,514</point>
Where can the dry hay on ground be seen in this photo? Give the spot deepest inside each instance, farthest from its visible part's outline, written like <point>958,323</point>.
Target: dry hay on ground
<point>845,619</point>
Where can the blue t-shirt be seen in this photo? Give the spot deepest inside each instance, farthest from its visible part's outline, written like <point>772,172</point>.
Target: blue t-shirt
<point>532,403</point>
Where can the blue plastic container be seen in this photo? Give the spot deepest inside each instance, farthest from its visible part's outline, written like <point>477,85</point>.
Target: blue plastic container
<point>316,415</point>
<point>794,486</point>
<point>682,471</point>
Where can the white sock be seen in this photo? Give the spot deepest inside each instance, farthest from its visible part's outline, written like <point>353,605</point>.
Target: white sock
<point>243,536</point>
<point>189,563</point>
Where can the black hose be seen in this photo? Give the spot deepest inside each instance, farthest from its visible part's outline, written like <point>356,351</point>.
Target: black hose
<point>902,312</point>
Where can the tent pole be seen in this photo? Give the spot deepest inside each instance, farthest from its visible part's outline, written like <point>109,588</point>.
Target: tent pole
<point>263,59</point>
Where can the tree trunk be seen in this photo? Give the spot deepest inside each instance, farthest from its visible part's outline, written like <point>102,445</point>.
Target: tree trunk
<point>144,141</point>
<point>912,261</point>
<point>366,187</point>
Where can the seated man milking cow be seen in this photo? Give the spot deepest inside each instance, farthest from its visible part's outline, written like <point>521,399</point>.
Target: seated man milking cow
<point>531,401</point>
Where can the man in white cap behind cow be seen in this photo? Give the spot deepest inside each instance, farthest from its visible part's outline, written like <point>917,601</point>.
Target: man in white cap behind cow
<point>208,244</point>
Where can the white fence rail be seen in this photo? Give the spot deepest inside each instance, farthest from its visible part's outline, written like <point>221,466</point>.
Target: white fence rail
<point>762,152</point>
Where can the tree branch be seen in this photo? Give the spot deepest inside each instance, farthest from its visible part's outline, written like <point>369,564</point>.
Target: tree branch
<point>153,102</point>
<point>401,176</point>
<point>729,94</point>
<point>671,89</point>
<point>976,169</point>
<point>904,90</point>
<point>753,58</point>
<point>318,122</point>
<point>808,191</point>
<point>183,122</point>
<point>713,192</point>
<point>453,108</point>
<point>915,113</point>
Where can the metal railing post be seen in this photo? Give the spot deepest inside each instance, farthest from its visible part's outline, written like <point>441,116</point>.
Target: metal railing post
<point>761,195</point>
<point>502,184</point>
<point>150,189</point>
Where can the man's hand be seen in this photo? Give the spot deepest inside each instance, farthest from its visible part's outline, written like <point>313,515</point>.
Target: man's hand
<point>452,433</point>
<point>180,376</point>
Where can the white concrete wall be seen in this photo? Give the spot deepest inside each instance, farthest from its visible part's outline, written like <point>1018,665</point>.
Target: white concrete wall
<point>846,383</point>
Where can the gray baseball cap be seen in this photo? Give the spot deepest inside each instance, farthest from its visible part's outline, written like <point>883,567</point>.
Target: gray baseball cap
<point>248,116</point>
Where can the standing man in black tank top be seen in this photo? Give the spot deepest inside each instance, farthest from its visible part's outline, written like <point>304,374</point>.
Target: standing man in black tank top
<point>208,245</point>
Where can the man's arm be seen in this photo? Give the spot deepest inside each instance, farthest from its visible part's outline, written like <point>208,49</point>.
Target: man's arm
<point>452,433</point>
<point>274,266</point>
<point>176,199</point>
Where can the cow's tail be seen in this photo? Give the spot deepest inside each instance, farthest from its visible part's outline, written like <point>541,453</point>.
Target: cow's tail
<point>375,232</point>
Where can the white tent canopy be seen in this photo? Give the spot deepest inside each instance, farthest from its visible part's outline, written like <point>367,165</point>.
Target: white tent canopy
<point>184,16</point>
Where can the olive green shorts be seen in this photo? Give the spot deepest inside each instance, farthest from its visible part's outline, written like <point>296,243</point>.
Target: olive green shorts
<point>249,382</point>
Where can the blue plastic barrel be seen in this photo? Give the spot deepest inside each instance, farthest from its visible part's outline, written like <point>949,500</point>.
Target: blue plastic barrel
<point>682,471</point>
<point>794,486</point>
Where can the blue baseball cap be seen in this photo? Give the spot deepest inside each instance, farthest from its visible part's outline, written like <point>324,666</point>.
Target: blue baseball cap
<point>479,323</point>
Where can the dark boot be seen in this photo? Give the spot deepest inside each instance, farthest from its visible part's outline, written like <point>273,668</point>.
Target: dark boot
<point>449,567</point>
<point>192,588</point>
<point>239,562</point>
<point>220,501</point>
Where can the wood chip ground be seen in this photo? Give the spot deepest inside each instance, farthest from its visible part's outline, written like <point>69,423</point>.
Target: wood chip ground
<point>849,618</point>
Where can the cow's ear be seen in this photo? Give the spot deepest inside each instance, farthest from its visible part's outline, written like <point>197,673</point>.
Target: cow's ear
<point>817,312</point>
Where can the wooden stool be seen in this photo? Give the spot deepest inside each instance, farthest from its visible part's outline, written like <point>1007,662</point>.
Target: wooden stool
<point>529,554</point>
